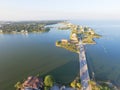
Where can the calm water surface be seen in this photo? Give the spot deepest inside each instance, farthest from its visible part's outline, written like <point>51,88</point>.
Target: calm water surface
<point>24,55</point>
<point>104,57</point>
<point>32,54</point>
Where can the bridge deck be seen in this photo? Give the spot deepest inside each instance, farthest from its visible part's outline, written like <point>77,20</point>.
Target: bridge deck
<point>84,75</point>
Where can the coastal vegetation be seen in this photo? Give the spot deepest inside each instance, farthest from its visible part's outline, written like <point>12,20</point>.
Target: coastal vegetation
<point>48,82</point>
<point>67,45</point>
<point>18,85</point>
<point>36,82</point>
<point>76,84</point>
<point>26,27</point>
<point>85,34</point>
<point>96,86</point>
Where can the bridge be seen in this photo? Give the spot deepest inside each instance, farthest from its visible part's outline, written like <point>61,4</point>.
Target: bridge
<point>84,74</point>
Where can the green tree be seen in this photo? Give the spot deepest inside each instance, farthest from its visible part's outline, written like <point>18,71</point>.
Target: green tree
<point>18,85</point>
<point>46,88</point>
<point>49,81</point>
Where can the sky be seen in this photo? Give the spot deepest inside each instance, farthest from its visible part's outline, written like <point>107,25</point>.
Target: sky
<point>59,9</point>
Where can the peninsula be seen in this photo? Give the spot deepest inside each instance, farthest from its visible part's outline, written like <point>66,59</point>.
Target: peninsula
<point>86,34</point>
<point>78,35</point>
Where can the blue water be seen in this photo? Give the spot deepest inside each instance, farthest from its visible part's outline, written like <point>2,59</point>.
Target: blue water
<point>23,55</point>
<point>104,57</point>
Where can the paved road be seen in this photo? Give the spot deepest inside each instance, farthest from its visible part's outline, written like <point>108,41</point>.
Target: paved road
<point>84,75</point>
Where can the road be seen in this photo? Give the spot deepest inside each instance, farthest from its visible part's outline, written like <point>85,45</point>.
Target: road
<point>84,75</point>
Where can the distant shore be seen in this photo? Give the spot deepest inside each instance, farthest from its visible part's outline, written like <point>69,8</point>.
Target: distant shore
<point>25,27</point>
